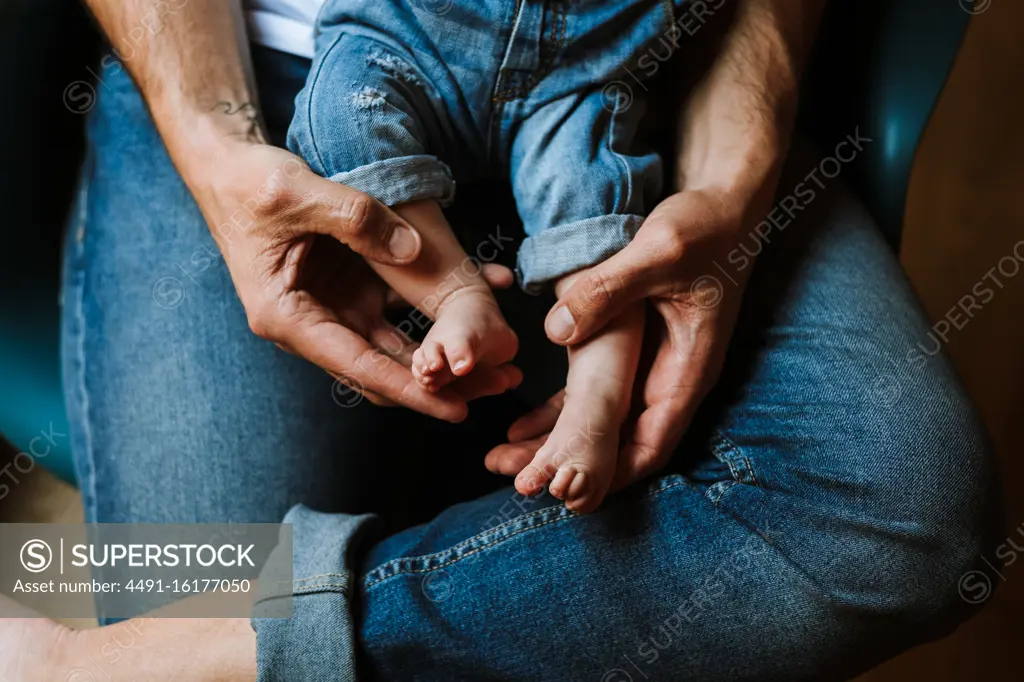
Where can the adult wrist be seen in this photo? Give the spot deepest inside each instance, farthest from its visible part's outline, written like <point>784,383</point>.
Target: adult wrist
<point>717,152</point>
<point>210,154</point>
<point>741,165</point>
<point>201,135</point>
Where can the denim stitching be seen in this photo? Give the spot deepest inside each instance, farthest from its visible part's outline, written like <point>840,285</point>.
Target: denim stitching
<point>625,167</point>
<point>728,452</point>
<point>472,545</point>
<point>450,562</point>
<point>342,588</point>
<point>89,460</point>
<point>715,493</point>
<point>662,485</point>
<point>477,550</point>
<point>496,89</point>
<point>309,98</point>
<point>723,448</point>
<point>740,466</point>
<point>287,589</point>
<point>322,575</point>
<point>750,470</point>
<point>548,57</point>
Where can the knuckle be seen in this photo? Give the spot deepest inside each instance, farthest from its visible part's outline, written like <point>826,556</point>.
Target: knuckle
<point>277,200</point>
<point>258,326</point>
<point>260,320</point>
<point>356,211</point>
<point>673,246</point>
<point>602,288</point>
<point>662,241</point>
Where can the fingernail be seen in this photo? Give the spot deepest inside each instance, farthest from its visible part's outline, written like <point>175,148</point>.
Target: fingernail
<point>560,324</point>
<point>459,365</point>
<point>403,243</point>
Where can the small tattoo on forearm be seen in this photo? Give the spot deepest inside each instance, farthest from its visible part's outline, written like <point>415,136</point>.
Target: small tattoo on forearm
<point>248,111</point>
<point>248,107</point>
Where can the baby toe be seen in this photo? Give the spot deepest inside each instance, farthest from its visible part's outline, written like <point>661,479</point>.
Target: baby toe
<point>433,358</point>
<point>562,482</point>
<point>461,356</point>
<point>583,496</point>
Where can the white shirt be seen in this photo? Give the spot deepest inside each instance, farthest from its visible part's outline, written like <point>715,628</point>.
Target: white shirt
<point>285,25</point>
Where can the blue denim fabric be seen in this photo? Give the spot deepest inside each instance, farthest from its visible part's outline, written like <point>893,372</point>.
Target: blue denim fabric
<point>405,98</point>
<point>816,520</point>
<point>285,650</point>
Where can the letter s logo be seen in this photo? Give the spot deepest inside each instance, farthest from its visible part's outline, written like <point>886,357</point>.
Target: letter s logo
<point>36,556</point>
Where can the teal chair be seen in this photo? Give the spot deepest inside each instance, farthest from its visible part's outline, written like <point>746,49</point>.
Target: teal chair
<point>879,65</point>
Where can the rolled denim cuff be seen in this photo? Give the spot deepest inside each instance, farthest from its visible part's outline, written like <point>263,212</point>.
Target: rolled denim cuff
<point>403,179</point>
<point>561,250</point>
<point>317,643</point>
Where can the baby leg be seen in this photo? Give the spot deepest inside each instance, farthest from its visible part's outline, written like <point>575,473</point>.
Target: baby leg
<point>371,119</point>
<point>447,286</point>
<point>582,186</point>
<point>578,460</point>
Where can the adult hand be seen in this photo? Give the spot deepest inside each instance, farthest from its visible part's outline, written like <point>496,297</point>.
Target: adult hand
<point>292,241</point>
<point>734,129</point>
<point>673,262</point>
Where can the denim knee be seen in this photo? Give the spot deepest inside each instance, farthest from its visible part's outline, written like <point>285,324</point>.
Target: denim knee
<point>365,120</point>
<point>932,515</point>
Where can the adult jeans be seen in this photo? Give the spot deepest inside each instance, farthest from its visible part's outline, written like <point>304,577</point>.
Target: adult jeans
<point>816,520</point>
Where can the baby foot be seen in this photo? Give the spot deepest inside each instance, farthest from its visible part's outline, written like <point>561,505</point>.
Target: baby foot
<point>579,457</point>
<point>577,462</point>
<point>469,329</point>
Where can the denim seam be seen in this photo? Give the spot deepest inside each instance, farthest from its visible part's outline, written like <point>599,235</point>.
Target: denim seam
<point>395,564</point>
<point>718,490</point>
<point>765,538</point>
<point>342,588</point>
<point>90,498</point>
<point>321,575</point>
<point>623,166</point>
<point>742,471</point>
<point>558,33</point>
<point>740,466</point>
<point>313,82</point>
<point>328,582</point>
<point>291,591</point>
<point>500,76</point>
<point>563,515</point>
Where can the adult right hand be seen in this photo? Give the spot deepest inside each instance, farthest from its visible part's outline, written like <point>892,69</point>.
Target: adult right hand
<point>292,242</point>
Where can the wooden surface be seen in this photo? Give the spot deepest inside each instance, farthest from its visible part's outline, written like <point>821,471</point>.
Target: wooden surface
<point>966,212</point>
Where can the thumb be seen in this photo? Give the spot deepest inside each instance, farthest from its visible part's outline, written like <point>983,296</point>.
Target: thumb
<point>599,295</point>
<point>364,224</point>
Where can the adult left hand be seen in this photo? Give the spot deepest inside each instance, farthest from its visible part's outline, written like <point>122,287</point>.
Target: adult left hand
<point>674,262</point>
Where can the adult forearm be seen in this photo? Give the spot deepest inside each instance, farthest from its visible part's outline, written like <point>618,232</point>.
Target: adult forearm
<point>737,124</point>
<point>190,60</point>
<point>266,208</point>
